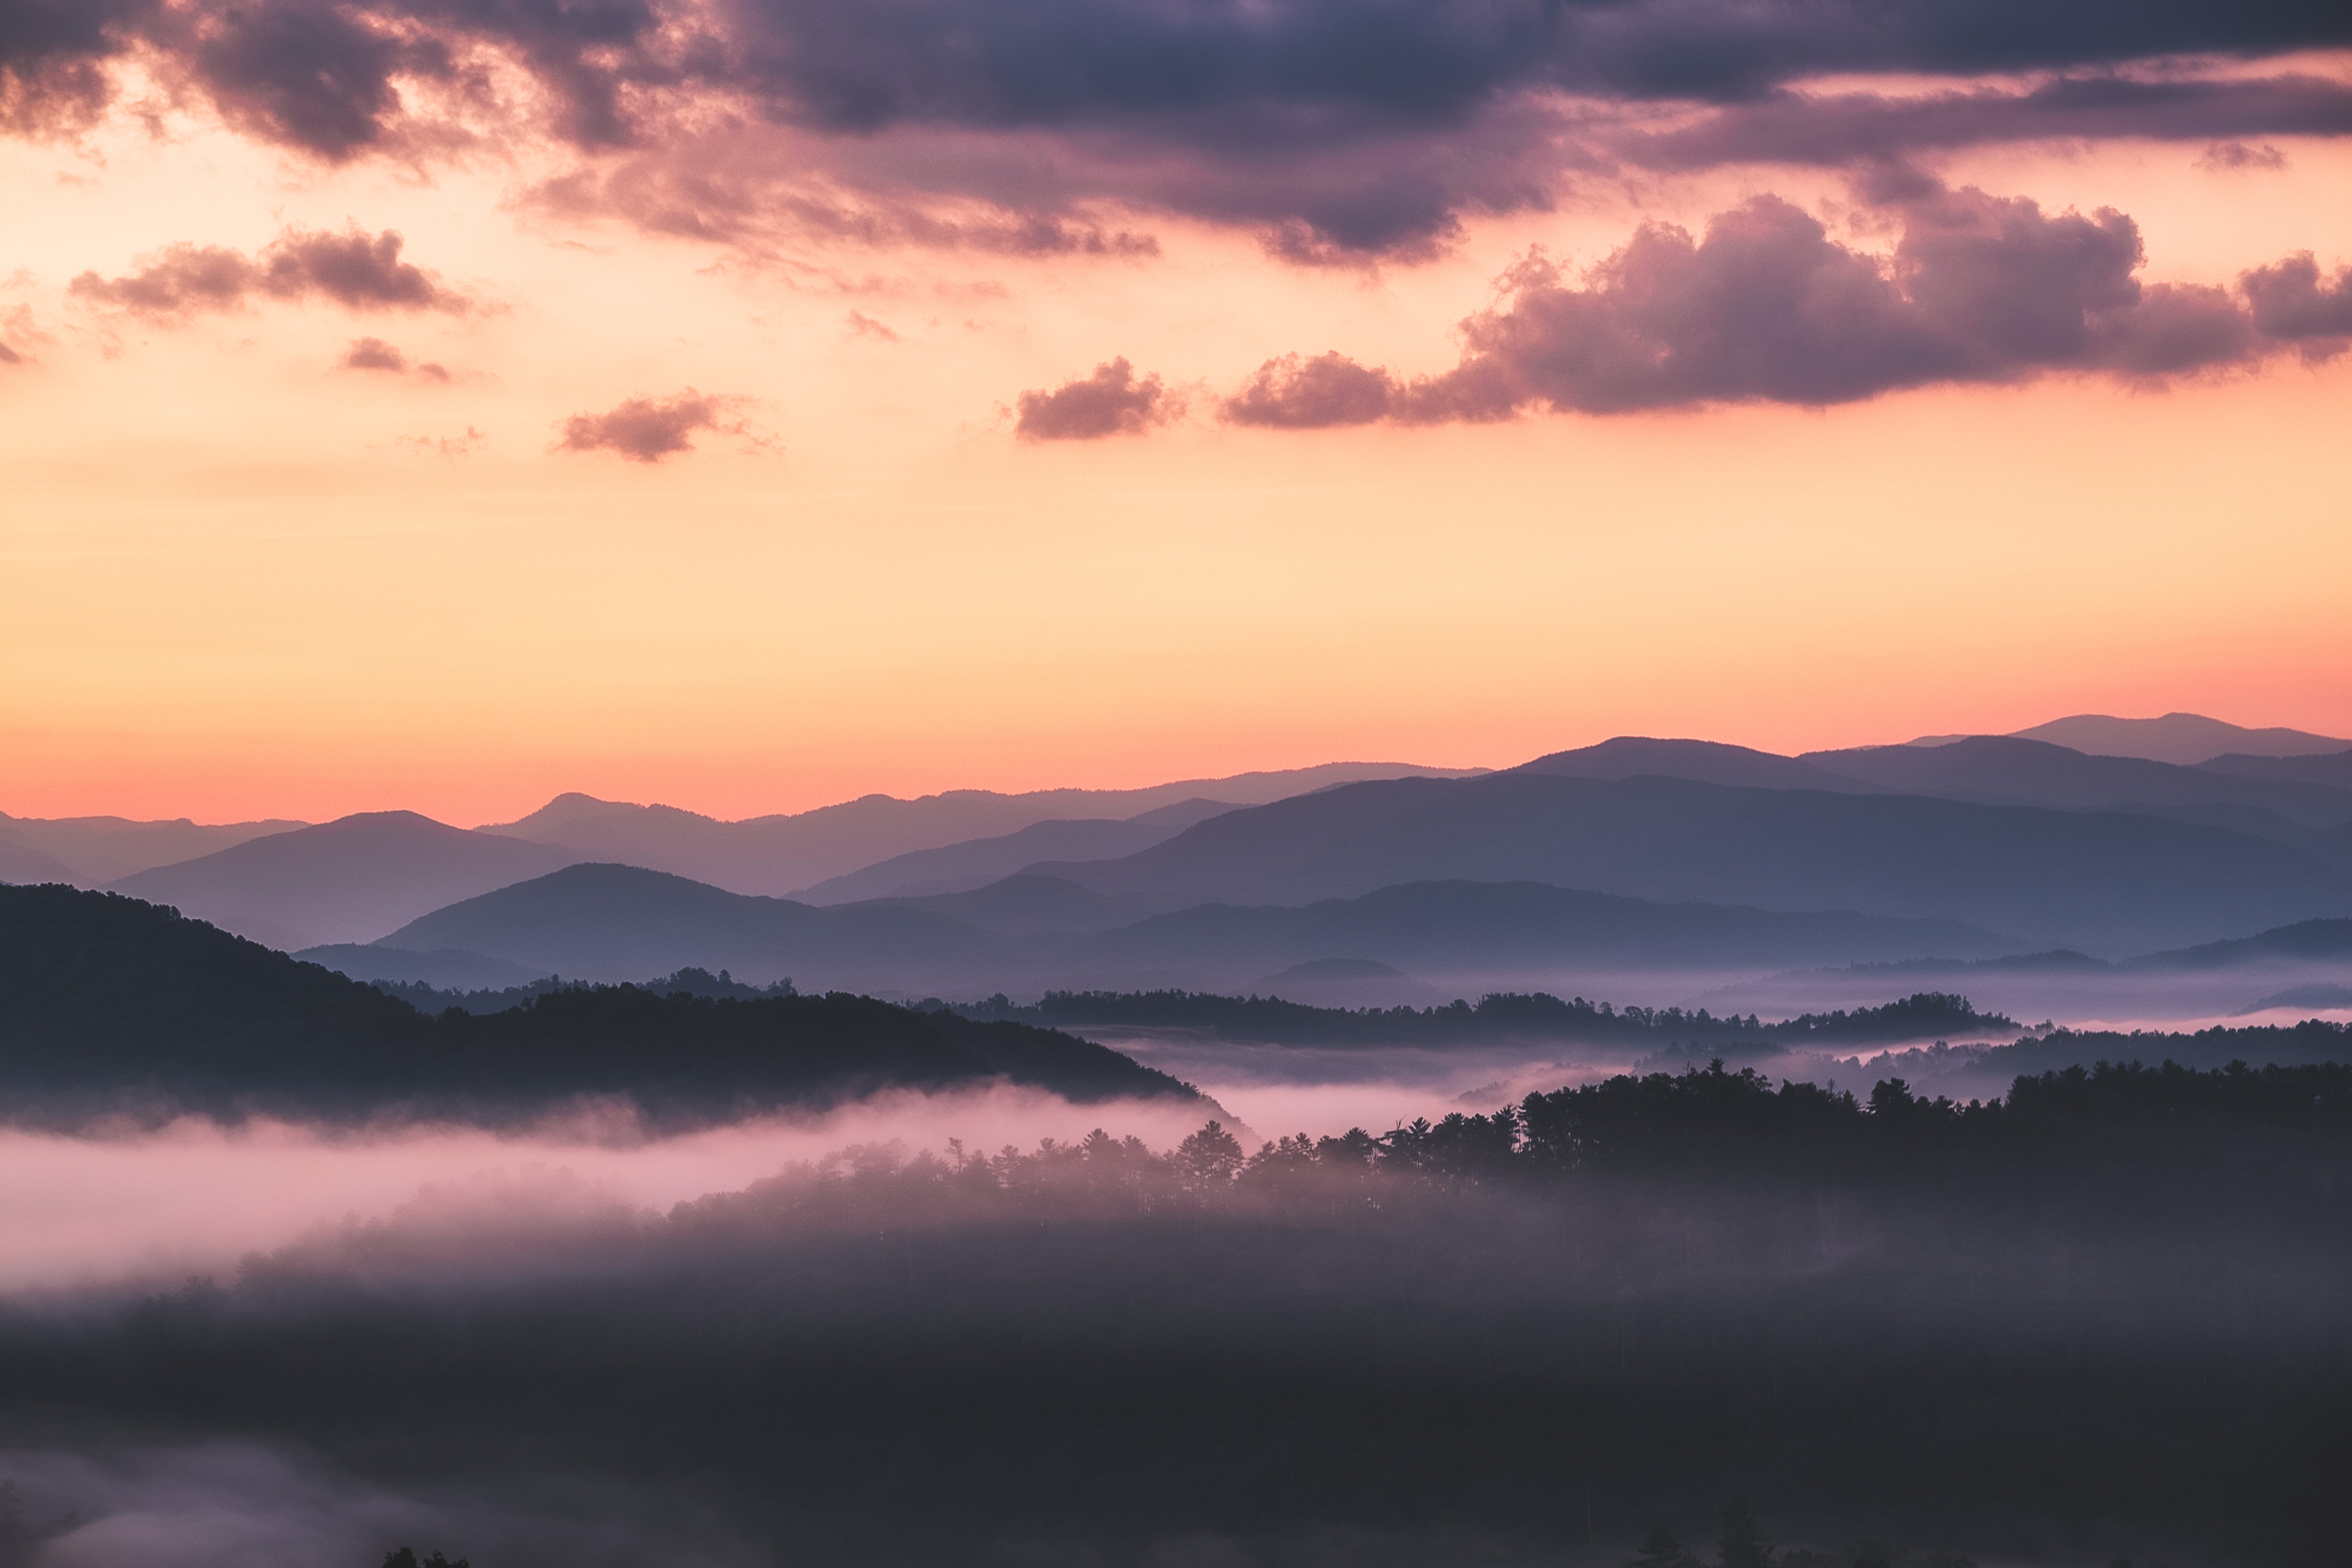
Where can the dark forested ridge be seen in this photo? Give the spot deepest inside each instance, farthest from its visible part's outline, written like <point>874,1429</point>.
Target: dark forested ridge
<point>106,1002</point>
<point>2100,1320</point>
<point>1501,1016</point>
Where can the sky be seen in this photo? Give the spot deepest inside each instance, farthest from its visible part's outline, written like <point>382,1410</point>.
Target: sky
<point>747,404</point>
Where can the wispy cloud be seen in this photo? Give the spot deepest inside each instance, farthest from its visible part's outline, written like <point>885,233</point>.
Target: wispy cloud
<point>1766,306</point>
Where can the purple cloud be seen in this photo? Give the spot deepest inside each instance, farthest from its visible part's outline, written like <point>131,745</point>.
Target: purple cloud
<point>1767,307</point>
<point>2293,304</point>
<point>1864,128</point>
<point>1113,401</point>
<point>647,429</point>
<point>1292,394</point>
<point>2229,157</point>
<point>355,270</point>
<point>1339,129</point>
<point>374,353</point>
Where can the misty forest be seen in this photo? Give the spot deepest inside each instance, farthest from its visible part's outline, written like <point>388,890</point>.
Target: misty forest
<point>1676,1285</point>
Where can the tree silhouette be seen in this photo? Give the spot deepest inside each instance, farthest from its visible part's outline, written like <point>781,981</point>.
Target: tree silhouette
<point>1741,1544</point>
<point>406,1557</point>
<point>1212,1156</point>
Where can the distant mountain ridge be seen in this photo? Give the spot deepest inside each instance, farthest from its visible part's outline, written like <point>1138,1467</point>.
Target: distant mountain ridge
<point>770,855</point>
<point>2012,769</point>
<point>2054,877</point>
<point>90,851</point>
<point>2180,738</point>
<point>610,921</point>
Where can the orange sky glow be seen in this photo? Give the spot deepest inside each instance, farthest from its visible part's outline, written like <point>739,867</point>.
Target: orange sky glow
<point>239,580</point>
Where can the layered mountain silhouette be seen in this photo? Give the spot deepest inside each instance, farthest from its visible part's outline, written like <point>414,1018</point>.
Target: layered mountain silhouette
<point>609,922</point>
<point>956,867</point>
<point>2055,877</point>
<point>772,854</point>
<point>2333,768</point>
<point>347,880</point>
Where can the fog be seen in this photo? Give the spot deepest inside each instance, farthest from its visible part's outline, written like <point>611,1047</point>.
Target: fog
<point>197,1195</point>
<point>879,1336</point>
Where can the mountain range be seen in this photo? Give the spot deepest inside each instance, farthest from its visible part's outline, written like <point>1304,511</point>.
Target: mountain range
<point>1721,854</point>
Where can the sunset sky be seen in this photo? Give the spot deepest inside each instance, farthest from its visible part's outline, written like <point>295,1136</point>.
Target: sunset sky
<point>754,403</point>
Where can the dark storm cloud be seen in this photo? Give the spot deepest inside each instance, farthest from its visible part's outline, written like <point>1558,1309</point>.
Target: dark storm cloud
<point>1339,129</point>
<point>850,64</point>
<point>1765,306</point>
<point>1849,127</point>
<point>355,270</point>
<point>1113,401</point>
<point>647,429</point>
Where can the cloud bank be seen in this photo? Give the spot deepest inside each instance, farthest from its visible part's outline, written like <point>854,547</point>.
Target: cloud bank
<point>1338,129</point>
<point>1766,306</point>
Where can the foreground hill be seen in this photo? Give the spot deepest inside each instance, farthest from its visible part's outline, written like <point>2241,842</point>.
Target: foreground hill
<point>772,854</point>
<point>2073,878</point>
<point>107,1003</point>
<point>347,880</point>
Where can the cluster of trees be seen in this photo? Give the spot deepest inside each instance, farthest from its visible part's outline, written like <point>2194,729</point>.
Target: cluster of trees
<point>1501,1016</point>
<point>2218,1135</point>
<point>693,981</point>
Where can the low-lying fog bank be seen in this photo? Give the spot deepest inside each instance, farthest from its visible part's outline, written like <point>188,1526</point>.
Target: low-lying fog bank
<point>197,1194</point>
<point>2105,1320</point>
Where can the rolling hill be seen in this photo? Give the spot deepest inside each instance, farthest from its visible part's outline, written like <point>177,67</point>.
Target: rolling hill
<point>347,880</point>
<point>2101,879</point>
<point>957,868</point>
<point>617,922</point>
